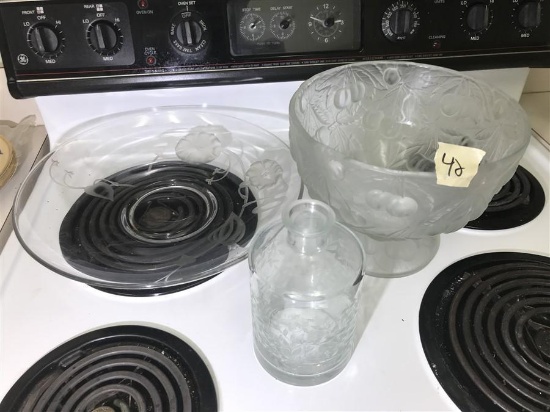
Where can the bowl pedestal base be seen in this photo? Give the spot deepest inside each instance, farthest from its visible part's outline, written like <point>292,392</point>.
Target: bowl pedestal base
<point>390,258</point>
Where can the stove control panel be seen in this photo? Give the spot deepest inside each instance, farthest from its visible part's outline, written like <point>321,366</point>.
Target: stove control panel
<point>70,46</point>
<point>272,27</point>
<point>70,37</point>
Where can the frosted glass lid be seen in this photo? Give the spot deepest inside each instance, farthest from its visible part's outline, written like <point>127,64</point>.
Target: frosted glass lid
<point>156,198</point>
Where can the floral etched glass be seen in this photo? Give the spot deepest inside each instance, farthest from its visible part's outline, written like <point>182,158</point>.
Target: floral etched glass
<point>365,138</point>
<point>306,271</point>
<point>158,197</point>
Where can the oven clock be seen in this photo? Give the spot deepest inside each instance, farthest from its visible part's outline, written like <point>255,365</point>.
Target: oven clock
<point>252,27</point>
<point>400,21</point>
<point>282,25</point>
<point>325,23</point>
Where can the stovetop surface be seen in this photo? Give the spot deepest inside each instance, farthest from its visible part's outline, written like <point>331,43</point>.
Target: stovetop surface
<point>40,310</point>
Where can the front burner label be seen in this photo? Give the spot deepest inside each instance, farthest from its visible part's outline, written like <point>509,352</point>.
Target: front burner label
<point>456,165</point>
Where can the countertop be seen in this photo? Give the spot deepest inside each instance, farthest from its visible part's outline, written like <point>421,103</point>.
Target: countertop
<point>31,145</point>
<point>13,109</point>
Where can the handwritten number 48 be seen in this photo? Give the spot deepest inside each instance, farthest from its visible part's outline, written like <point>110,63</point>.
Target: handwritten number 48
<point>454,165</point>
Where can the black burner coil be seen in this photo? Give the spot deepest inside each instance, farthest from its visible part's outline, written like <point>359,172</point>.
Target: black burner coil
<point>157,224</point>
<point>485,330</point>
<point>518,202</point>
<point>118,369</point>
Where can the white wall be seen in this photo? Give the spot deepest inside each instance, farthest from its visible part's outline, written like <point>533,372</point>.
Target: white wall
<point>538,81</point>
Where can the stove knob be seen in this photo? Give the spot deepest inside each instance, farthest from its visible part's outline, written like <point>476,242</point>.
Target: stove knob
<point>477,17</point>
<point>400,21</point>
<point>104,37</point>
<point>189,33</point>
<point>46,40</point>
<point>529,15</point>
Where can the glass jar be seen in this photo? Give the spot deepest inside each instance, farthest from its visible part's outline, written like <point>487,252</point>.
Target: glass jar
<point>305,276</point>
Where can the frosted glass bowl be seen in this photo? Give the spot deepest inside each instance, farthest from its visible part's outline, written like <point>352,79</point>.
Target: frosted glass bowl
<point>366,136</point>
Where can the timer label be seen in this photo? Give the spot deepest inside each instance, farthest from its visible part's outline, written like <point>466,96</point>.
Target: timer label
<point>456,165</point>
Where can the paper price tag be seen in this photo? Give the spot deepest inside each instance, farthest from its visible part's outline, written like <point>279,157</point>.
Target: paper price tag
<point>456,165</point>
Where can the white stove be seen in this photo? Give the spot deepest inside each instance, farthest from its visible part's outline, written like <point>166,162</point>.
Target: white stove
<point>40,310</point>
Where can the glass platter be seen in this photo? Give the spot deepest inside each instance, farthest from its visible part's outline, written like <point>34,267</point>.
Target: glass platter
<point>156,198</point>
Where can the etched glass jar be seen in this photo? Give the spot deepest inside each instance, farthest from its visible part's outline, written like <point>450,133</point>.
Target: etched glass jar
<point>305,275</point>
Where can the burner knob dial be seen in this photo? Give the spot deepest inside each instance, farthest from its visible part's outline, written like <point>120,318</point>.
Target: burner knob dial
<point>478,17</point>
<point>189,33</point>
<point>46,40</point>
<point>104,37</point>
<point>400,21</point>
<point>529,15</point>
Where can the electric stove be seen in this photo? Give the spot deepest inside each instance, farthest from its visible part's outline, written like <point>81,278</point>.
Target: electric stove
<point>191,347</point>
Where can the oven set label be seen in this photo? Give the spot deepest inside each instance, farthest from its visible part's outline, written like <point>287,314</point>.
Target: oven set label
<point>456,165</point>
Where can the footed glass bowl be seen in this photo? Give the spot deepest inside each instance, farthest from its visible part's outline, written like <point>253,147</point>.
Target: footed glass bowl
<point>404,152</point>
